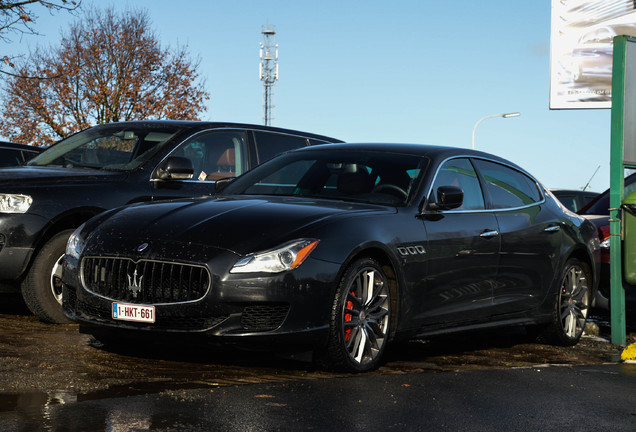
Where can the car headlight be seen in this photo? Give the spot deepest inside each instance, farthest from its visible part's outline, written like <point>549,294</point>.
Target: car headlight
<point>285,257</point>
<point>75,244</point>
<point>15,203</point>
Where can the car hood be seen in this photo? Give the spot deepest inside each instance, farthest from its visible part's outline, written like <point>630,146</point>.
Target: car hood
<point>238,224</point>
<point>49,175</point>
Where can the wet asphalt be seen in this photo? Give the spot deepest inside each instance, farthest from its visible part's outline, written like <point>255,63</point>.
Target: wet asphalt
<point>54,379</point>
<point>581,398</point>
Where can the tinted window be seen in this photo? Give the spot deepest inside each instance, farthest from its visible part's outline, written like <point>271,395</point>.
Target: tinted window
<point>373,177</point>
<point>215,155</point>
<point>9,157</point>
<point>574,200</point>
<point>508,188</point>
<point>569,201</point>
<point>270,144</point>
<point>460,173</point>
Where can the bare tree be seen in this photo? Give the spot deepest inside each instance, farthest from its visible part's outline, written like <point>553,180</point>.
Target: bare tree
<point>19,17</point>
<point>109,67</point>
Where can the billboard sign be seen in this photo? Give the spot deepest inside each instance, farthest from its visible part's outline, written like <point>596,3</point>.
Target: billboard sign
<point>629,104</point>
<point>581,50</point>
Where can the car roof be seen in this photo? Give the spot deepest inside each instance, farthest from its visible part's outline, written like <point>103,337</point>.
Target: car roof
<point>431,151</point>
<point>10,145</point>
<point>574,192</point>
<point>202,125</point>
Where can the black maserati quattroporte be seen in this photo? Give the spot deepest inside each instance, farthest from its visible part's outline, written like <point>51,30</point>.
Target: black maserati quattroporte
<point>339,249</point>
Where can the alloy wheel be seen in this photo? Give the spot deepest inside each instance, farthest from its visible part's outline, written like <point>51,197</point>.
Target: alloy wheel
<point>366,316</point>
<point>56,280</point>
<point>574,301</point>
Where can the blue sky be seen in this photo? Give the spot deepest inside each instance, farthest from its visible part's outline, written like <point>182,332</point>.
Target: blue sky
<point>422,71</point>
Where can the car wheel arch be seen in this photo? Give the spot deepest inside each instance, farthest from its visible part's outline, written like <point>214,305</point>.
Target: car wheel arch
<point>583,256</point>
<point>388,264</point>
<point>579,253</point>
<point>65,221</point>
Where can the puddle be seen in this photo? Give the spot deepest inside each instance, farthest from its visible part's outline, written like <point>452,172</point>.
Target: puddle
<point>35,399</point>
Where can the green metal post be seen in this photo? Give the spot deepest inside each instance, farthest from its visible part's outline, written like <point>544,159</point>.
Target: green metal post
<point>617,172</point>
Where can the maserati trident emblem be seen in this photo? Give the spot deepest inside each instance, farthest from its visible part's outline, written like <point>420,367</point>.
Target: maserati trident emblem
<point>134,284</point>
<point>142,247</point>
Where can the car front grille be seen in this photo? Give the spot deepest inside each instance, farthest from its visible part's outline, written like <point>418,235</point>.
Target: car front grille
<point>144,281</point>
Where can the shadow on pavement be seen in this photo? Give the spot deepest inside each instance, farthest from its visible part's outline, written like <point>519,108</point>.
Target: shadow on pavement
<point>13,304</point>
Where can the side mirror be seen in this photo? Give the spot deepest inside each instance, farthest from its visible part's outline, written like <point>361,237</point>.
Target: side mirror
<point>176,168</point>
<point>448,198</point>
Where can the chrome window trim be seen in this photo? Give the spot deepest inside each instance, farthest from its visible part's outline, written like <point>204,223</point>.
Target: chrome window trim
<point>493,210</point>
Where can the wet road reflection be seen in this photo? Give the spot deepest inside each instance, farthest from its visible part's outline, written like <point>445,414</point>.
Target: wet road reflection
<point>45,366</point>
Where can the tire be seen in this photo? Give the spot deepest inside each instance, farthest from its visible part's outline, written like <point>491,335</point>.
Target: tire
<point>571,306</point>
<point>42,287</point>
<point>360,319</point>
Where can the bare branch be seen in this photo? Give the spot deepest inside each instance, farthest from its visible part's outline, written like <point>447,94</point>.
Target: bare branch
<point>29,77</point>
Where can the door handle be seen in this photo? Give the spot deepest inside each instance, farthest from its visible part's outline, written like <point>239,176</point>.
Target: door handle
<point>552,228</point>
<point>489,234</point>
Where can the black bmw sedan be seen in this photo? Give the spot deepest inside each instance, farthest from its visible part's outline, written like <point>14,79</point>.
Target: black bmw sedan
<point>339,249</point>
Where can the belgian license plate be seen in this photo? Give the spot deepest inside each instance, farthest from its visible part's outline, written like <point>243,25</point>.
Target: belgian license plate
<point>133,312</point>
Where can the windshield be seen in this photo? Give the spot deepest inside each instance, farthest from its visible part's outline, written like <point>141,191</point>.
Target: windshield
<point>371,177</point>
<point>114,147</point>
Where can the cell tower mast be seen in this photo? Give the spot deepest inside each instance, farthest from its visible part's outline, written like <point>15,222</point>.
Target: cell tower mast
<point>268,71</point>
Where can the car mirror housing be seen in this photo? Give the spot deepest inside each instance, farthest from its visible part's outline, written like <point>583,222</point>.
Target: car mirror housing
<point>448,198</point>
<point>222,183</point>
<point>176,168</point>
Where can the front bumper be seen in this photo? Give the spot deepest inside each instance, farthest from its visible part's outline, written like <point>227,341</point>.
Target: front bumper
<point>290,309</point>
<point>19,234</point>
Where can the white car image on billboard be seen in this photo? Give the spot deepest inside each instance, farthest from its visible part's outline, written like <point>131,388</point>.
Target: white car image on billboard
<point>582,48</point>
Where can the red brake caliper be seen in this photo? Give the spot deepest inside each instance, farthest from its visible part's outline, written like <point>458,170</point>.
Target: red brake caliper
<point>347,318</point>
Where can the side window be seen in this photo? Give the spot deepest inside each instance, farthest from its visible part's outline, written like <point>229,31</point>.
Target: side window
<point>215,155</point>
<point>460,173</point>
<point>508,188</point>
<point>270,144</point>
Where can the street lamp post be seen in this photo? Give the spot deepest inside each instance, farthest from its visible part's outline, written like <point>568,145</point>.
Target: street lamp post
<point>507,115</point>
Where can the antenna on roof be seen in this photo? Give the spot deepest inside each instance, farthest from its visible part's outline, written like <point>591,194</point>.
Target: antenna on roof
<point>587,185</point>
